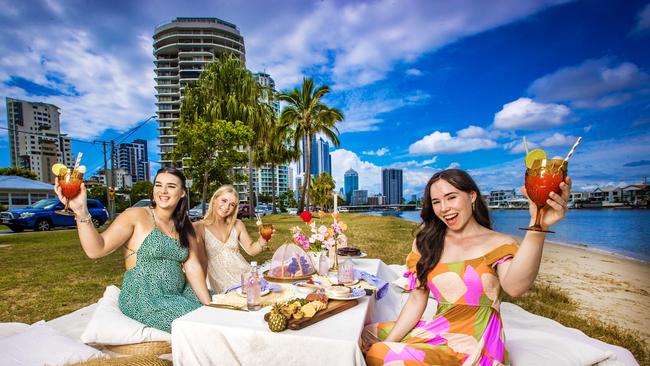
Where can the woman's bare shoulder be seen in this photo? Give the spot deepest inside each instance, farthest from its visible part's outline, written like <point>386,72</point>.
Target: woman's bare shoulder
<point>497,239</point>
<point>136,213</point>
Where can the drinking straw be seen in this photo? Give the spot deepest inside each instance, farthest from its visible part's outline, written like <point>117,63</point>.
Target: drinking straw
<point>573,149</point>
<point>76,163</point>
<point>526,145</point>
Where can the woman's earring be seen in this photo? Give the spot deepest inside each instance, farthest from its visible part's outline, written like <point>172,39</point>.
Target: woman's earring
<point>474,206</point>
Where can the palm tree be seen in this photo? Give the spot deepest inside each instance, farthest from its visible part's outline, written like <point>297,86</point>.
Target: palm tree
<point>306,115</point>
<point>275,149</point>
<point>229,92</point>
<point>321,190</point>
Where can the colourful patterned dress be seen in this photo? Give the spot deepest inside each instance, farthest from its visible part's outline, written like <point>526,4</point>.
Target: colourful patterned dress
<point>466,329</point>
<point>155,291</point>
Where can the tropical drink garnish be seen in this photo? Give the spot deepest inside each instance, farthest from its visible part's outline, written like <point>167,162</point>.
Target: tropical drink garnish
<point>59,169</point>
<point>535,154</point>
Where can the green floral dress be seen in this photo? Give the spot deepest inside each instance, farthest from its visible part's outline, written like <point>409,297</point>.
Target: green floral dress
<point>155,291</point>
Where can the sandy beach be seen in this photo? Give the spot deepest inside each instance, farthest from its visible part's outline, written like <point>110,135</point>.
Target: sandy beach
<point>613,288</point>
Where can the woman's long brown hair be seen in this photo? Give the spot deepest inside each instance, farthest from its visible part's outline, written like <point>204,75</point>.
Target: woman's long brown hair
<point>430,239</point>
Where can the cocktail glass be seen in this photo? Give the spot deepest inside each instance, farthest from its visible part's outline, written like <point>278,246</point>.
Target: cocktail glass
<point>543,177</point>
<point>266,230</point>
<point>70,183</point>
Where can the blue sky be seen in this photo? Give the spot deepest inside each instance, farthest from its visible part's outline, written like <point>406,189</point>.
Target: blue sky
<point>424,85</point>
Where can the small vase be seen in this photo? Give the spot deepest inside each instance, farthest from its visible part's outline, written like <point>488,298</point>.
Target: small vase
<point>315,259</point>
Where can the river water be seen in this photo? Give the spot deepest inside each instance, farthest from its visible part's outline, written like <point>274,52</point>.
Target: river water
<point>621,231</point>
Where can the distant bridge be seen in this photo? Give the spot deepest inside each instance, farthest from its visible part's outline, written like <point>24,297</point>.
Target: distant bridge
<point>360,208</point>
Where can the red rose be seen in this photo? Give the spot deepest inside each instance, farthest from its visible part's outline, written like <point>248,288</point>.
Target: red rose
<point>306,216</point>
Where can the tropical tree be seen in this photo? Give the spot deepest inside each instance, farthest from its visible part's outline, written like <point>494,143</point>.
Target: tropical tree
<point>275,149</point>
<point>140,190</point>
<point>208,149</point>
<point>306,115</point>
<point>227,91</point>
<point>321,190</point>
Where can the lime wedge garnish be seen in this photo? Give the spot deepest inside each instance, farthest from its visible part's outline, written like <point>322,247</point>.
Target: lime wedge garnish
<point>535,154</point>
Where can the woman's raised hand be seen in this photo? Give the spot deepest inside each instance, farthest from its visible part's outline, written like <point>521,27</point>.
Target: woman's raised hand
<point>78,204</point>
<point>556,205</point>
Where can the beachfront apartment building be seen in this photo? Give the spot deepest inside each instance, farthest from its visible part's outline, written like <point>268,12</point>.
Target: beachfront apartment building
<point>35,139</point>
<point>500,198</point>
<point>182,48</point>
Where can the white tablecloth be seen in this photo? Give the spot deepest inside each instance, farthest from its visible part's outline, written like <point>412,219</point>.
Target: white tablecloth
<point>210,336</point>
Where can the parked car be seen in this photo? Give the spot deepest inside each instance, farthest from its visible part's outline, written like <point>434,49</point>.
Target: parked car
<point>42,215</point>
<point>142,203</point>
<point>244,211</point>
<point>196,212</point>
<point>292,211</point>
<point>263,209</point>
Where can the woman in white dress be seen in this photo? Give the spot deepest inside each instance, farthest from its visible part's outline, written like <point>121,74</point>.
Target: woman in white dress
<point>222,234</point>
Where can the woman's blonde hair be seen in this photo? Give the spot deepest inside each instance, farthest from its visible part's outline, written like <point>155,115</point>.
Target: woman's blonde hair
<point>211,216</point>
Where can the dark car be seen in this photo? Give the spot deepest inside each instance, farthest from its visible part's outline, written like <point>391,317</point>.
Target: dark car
<point>244,211</point>
<point>42,215</point>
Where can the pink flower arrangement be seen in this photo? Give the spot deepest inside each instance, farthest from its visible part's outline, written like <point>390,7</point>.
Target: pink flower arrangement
<point>319,236</point>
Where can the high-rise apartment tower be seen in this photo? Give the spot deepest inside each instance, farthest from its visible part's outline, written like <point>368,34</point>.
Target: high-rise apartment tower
<point>182,48</point>
<point>35,139</point>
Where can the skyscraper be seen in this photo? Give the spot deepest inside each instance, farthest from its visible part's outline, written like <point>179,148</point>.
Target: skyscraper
<point>182,48</point>
<point>266,81</point>
<point>391,180</point>
<point>350,183</point>
<point>320,157</point>
<point>133,158</point>
<point>35,139</point>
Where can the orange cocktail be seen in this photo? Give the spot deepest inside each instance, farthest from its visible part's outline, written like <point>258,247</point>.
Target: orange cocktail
<point>266,230</point>
<point>543,177</point>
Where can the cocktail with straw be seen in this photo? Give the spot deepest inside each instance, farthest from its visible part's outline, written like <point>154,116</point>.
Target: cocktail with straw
<point>544,176</point>
<point>266,230</point>
<point>70,182</point>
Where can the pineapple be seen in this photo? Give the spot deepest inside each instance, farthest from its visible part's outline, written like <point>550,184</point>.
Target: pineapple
<point>277,321</point>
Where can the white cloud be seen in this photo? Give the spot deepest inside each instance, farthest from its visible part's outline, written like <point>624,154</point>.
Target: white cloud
<point>558,139</point>
<point>472,132</point>
<point>380,152</point>
<point>526,114</point>
<point>518,147</point>
<point>415,175</point>
<point>443,143</point>
<point>364,41</point>
<point>414,72</point>
<point>592,84</point>
<point>454,165</point>
<point>363,110</point>
<point>644,19</point>
<point>587,128</point>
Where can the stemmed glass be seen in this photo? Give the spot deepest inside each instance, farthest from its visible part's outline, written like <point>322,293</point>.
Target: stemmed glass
<point>543,177</point>
<point>70,182</point>
<point>266,231</point>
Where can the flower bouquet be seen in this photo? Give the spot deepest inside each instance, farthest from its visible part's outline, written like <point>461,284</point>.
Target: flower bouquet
<point>321,235</point>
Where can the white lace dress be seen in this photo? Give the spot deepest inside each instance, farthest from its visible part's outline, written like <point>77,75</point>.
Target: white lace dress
<point>225,263</point>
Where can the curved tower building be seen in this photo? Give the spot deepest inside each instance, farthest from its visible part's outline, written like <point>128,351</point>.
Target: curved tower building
<point>182,48</point>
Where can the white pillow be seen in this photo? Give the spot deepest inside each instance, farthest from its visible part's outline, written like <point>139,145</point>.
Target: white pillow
<point>109,326</point>
<point>40,344</point>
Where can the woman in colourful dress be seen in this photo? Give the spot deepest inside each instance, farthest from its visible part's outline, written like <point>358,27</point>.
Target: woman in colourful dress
<point>464,264</point>
<point>222,234</point>
<point>161,252</point>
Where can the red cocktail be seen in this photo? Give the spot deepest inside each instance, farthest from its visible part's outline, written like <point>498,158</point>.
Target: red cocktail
<point>266,230</point>
<point>70,183</point>
<point>543,177</point>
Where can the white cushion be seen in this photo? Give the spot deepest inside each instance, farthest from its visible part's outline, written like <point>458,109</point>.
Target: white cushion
<point>40,344</point>
<point>7,329</point>
<point>109,326</point>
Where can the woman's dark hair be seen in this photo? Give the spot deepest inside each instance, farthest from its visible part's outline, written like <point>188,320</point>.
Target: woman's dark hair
<point>431,237</point>
<point>181,217</point>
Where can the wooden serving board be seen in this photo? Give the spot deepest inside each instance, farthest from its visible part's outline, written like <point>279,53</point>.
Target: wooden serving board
<point>333,307</point>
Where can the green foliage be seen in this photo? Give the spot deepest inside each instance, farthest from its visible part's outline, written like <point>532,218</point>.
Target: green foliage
<point>140,191</point>
<point>321,190</point>
<point>98,193</point>
<point>305,116</point>
<point>18,172</point>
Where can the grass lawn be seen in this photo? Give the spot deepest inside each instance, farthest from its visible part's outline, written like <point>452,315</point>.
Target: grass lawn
<point>46,275</point>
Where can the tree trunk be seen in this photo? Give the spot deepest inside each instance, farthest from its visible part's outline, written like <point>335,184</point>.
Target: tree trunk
<point>204,192</point>
<point>273,188</point>
<point>251,194</point>
<point>307,176</point>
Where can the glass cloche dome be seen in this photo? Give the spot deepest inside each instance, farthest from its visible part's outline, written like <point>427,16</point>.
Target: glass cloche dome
<point>290,263</point>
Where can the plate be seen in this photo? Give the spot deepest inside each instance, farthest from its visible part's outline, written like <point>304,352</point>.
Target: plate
<point>354,256</point>
<point>335,281</point>
<point>351,297</point>
<point>265,292</point>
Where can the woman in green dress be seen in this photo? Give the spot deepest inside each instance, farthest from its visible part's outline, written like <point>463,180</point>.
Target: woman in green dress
<point>164,278</point>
